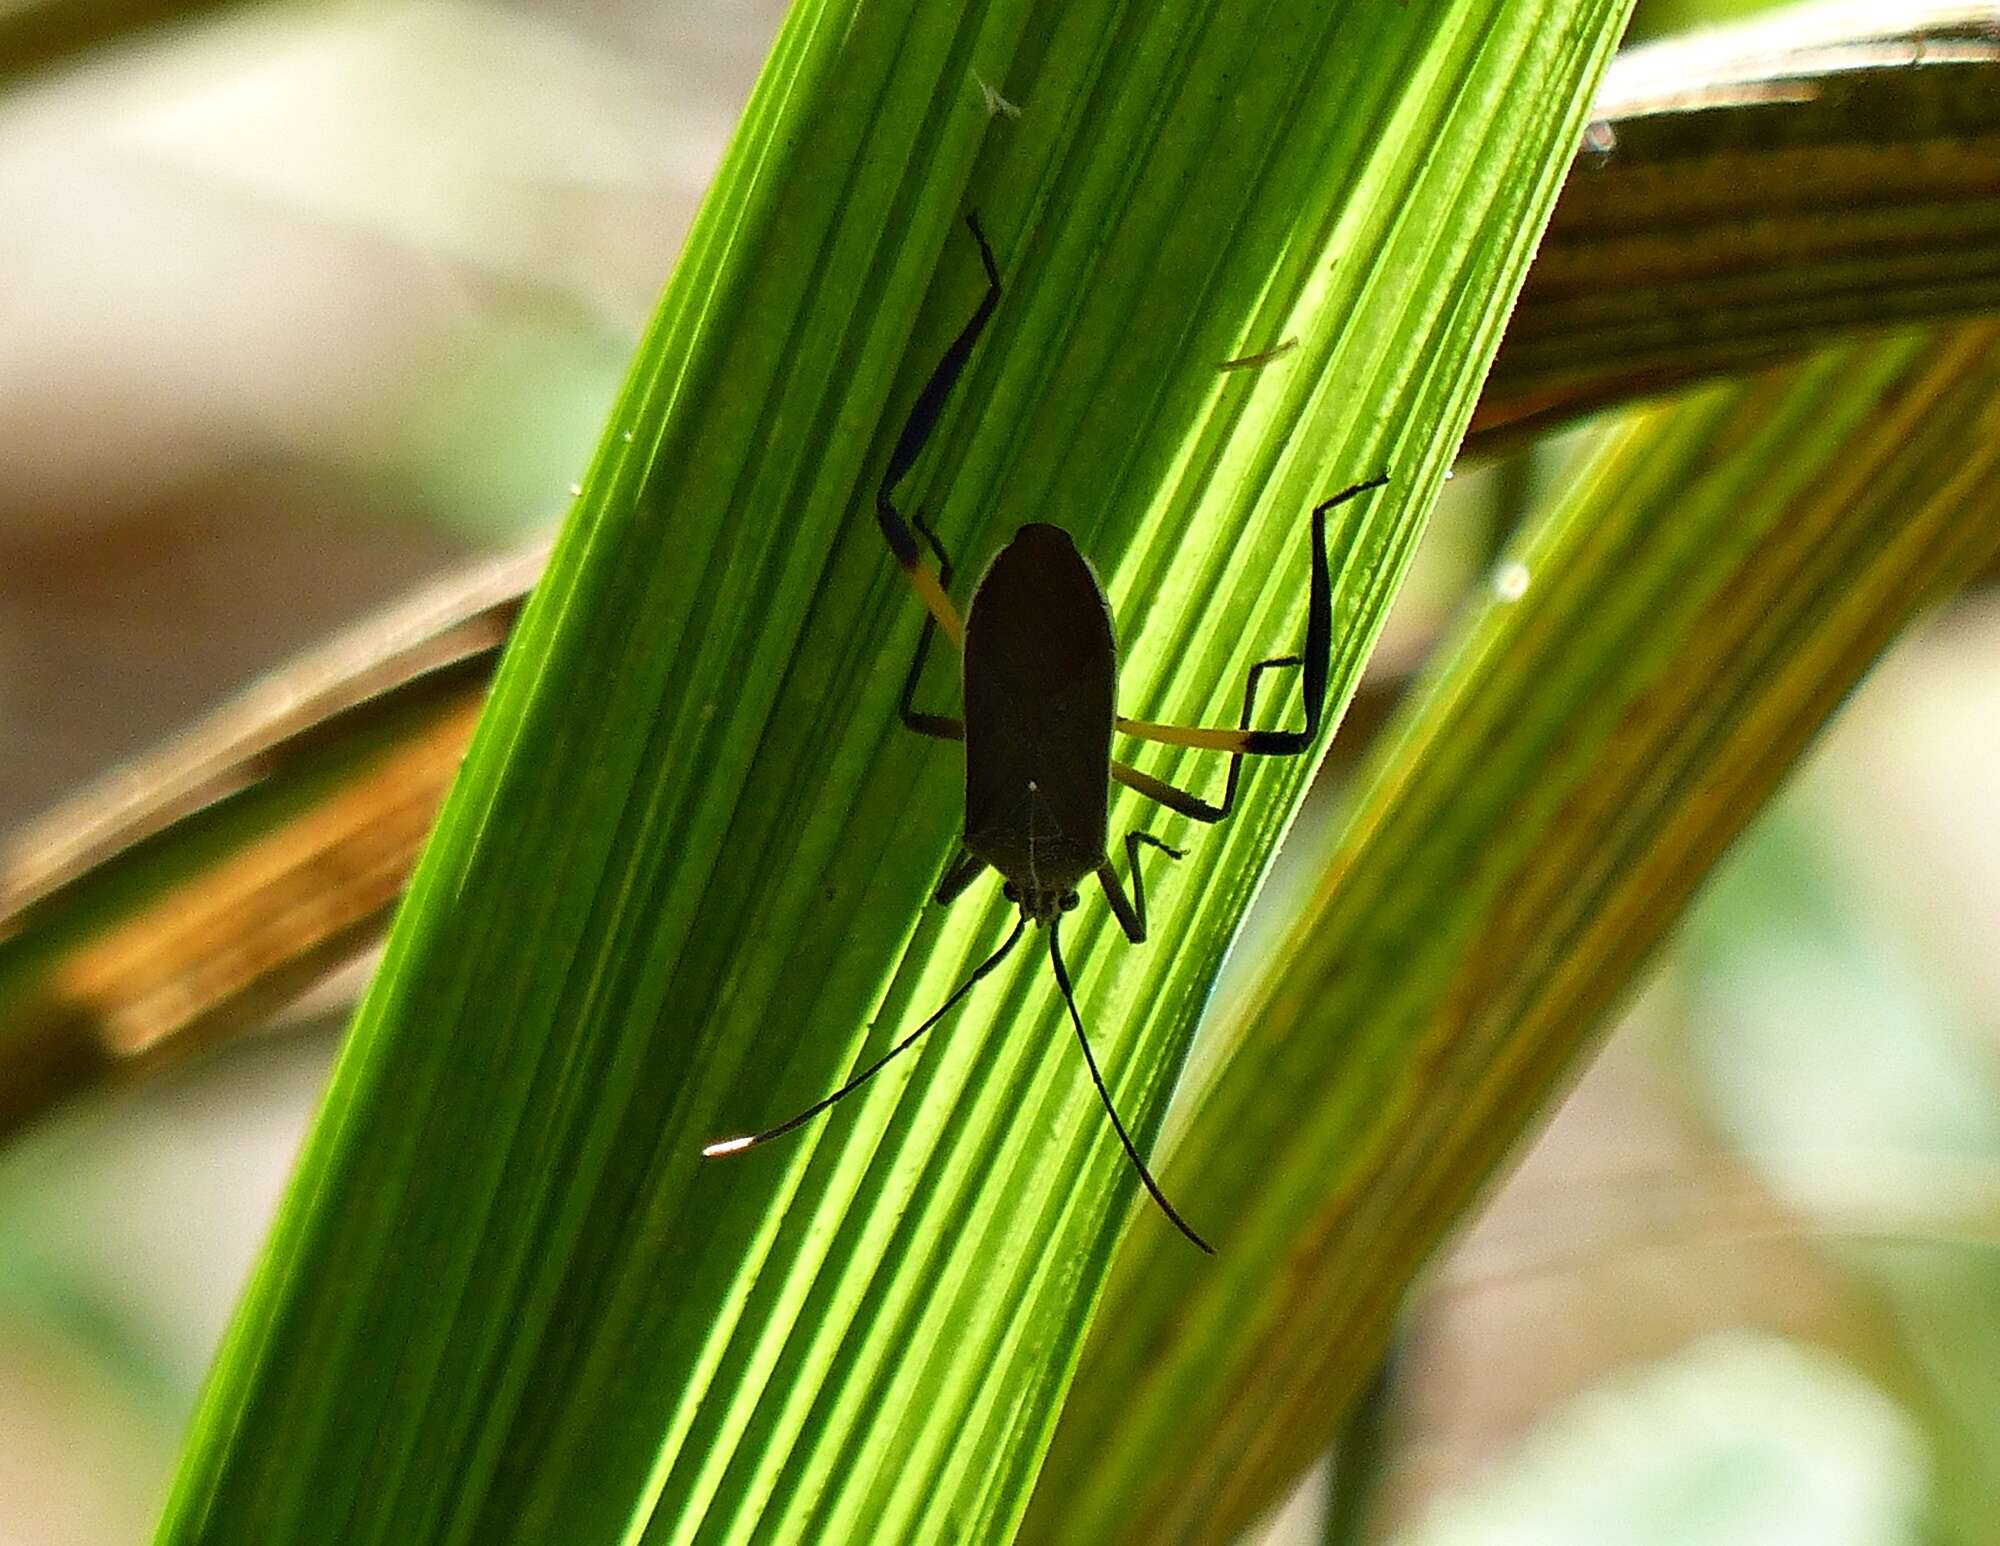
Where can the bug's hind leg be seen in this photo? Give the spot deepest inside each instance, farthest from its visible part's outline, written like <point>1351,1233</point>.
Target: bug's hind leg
<point>1175,799</point>
<point>1132,914</point>
<point>942,726</point>
<point>1315,658</point>
<point>924,413</point>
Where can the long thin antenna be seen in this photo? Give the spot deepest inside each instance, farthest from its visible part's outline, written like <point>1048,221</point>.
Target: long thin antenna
<point>737,1145</point>
<point>1096,1078</point>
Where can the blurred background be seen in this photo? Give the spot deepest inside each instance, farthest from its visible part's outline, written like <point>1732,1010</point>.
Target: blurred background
<point>301,305</point>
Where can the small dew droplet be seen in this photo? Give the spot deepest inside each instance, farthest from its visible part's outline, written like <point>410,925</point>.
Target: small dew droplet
<point>1510,580</point>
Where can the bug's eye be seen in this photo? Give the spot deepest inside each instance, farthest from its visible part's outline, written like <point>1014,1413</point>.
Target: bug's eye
<point>1069,902</point>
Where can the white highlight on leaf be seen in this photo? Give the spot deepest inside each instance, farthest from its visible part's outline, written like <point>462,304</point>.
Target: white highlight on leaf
<point>1510,580</point>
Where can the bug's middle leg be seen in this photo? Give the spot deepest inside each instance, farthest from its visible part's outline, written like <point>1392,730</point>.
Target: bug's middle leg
<point>1132,913</point>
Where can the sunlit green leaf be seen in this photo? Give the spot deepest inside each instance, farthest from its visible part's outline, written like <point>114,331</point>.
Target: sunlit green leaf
<point>679,888</point>
<point>1849,145</point>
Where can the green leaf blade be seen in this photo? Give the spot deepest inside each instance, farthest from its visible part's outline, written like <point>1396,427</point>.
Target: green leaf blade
<point>1717,579</point>
<point>680,887</point>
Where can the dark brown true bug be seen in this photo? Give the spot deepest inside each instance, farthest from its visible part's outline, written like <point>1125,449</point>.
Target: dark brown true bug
<point>1040,672</point>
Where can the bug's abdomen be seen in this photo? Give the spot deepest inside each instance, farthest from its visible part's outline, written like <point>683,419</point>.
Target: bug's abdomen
<point>1040,678</point>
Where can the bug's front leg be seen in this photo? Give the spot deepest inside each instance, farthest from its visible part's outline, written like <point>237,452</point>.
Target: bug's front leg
<point>967,868</point>
<point>1132,914</point>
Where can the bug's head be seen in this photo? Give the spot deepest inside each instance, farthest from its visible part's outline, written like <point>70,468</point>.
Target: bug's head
<point>1040,904</point>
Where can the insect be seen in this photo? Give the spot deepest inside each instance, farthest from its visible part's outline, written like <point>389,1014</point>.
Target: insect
<point>1040,666</point>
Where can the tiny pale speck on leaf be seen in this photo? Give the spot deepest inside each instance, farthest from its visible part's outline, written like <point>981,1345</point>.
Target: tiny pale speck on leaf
<point>997,106</point>
<point>1510,581</point>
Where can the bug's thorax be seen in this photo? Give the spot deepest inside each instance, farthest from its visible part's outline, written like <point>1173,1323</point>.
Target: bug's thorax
<point>1040,676</point>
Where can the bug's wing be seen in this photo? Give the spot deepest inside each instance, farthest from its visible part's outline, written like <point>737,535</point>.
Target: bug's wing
<point>1040,680</point>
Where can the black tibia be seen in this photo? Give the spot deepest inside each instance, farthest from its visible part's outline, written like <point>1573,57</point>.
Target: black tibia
<point>1246,741</point>
<point>1318,652</point>
<point>929,405</point>
<point>1132,914</point>
<point>1174,799</point>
